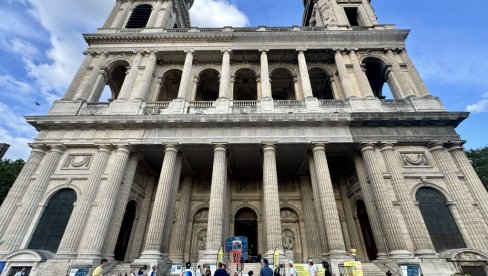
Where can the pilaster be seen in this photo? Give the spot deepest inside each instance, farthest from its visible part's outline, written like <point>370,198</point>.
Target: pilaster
<point>344,75</point>
<point>177,244</point>
<point>148,75</point>
<point>77,80</point>
<point>318,208</point>
<point>185,76</point>
<point>85,91</point>
<point>130,79</point>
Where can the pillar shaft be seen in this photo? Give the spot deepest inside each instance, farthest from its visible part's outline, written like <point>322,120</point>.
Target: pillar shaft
<point>311,229</point>
<point>405,85</point>
<point>172,205</point>
<point>154,15</point>
<point>112,15</point>
<point>344,75</point>
<point>177,244</point>
<point>81,212</point>
<point>87,90</point>
<point>265,83</point>
<point>304,76</point>
<point>417,80</point>
<point>97,89</point>
<point>349,215</point>
<point>335,239</point>
<point>394,238</point>
<point>185,76</point>
<point>225,75</point>
<point>77,80</point>
<point>162,21</point>
<point>141,93</point>
<point>119,20</point>
<point>130,79</point>
<point>364,84</point>
<point>318,207</point>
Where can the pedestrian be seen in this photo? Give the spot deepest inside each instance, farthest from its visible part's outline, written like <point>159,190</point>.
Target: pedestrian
<point>388,273</point>
<point>208,272</point>
<point>293,271</point>
<point>140,272</point>
<point>133,273</point>
<point>22,272</point>
<point>250,273</point>
<point>220,270</point>
<point>188,271</point>
<point>312,270</point>
<point>277,270</point>
<point>266,270</point>
<point>99,270</point>
<point>153,272</point>
<point>199,271</point>
<point>326,268</point>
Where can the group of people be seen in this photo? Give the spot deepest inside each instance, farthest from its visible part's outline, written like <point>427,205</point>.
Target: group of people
<point>312,269</point>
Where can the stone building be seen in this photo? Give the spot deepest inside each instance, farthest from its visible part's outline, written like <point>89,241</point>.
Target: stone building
<point>312,139</point>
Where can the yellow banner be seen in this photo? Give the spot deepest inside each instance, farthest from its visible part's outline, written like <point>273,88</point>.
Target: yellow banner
<point>276,257</point>
<point>220,255</point>
<point>302,269</point>
<point>353,269</point>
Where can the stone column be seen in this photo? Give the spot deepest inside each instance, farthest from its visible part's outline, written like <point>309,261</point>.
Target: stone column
<point>154,15</point>
<point>349,215</point>
<point>225,75</point>
<point>216,207</point>
<point>77,80</point>
<point>360,75</point>
<point>417,80</point>
<point>172,205</point>
<point>95,235</point>
<point>120,207</point>
<point>122,16</point>
<point>369,201</point>
<point>259,88</point>
<point>17,229</point>
<point>148,75</point>
<point>20,186</point>
<point>85,93</point>
<point>311,229</point>
<point>394,239</point>
<point>185,76</point>
<point>271,200</point>
<point>335,239</point>
<point>162,20</point>
<point>413,218</point>
<point>405,85</point>
<point>265,83</point>
<point>444,162</point>
<point>471,177</point>
<point>112,15</point>
<point>344,75</point>
<point>160,215</point>
<point>130,79</point>
<point>177,244</point>
<point>97,89</point>
<point>79,218</point>
<point>394,84</point>
<point>318,207</point>
<point>298,91</point>
<point>305,78</point>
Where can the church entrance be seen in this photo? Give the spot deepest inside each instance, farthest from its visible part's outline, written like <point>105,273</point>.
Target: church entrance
<point>125,231</point>
<point>246,225</point>
<point>366,230</point>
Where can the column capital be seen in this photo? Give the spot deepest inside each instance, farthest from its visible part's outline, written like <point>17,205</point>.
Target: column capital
<point>171,147</point>
<point>38,147</point>
<point>456,145</point>
<point>319,146</point>
<point>58,148</point>
<point>301,50</point>
<point>435,145</point>
<point>367,145</point>
<point>105,147</point>
<point>263,50</point>
<point>189,51</point>
<point>268,146</point>
<point>226,50</point>
<point>125,148</point>
<point>219,147</point>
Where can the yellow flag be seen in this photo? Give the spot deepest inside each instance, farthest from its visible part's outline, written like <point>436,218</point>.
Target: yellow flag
<point>220,255</point>
<point>276,257</point>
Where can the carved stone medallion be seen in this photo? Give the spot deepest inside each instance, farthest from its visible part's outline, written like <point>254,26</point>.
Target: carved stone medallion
<point>78,161</point>
<point>414,159</point>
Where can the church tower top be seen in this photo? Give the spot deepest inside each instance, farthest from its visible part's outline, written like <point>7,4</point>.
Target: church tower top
<point>353,13</point>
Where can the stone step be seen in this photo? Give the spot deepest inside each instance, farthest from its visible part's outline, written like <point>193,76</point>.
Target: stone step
<point>118,270</point>
<point>370,269</point>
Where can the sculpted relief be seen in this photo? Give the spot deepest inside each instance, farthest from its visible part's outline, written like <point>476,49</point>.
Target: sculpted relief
<point>414,159</point>
<point>78,161</point>
<point>288,239</point>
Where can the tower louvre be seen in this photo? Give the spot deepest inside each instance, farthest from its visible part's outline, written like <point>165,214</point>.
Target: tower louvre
<point>313,139</point>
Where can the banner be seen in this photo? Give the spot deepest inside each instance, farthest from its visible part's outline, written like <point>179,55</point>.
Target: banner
<point>220,255</point>
<point>353,269</point>
<point>276,257</point>
<point>302,269</point>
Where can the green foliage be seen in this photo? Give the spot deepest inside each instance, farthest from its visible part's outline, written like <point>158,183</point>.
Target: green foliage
<point>9,170</point>
<point>479,159</point>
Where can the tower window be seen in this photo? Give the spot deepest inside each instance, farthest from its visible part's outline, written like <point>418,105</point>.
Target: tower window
<point>352,15</point>
<point>139,17</point>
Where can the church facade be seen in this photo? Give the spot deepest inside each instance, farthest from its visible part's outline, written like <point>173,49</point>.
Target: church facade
<point>313,139</point>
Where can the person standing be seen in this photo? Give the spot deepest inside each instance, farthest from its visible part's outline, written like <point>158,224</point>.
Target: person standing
<point>293,271</point>
<point>326,268</point>
<point>266,270</point>
<point>199,271</point>
<point>188,271</point>
<point>388,273</point>
<point>22,272</point>
<point>312,270</point>
<point>220,271</point>
<point>99,270</point>
<point>153,272</point>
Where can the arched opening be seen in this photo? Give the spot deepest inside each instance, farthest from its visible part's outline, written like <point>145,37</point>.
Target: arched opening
<point>282,85</point>
<point>208,86</point>
<point>199,235</point>
<point>245,85</point>
<point>438,218</point>
<point>125,231</point>
<point>115,79</point>
<point>53,222</point>
<point>139,16</point>
<point>321,84</point>
<point>375,70</point>
<point>246,224</point>
<point>170,85</point>
<point>366,230</point>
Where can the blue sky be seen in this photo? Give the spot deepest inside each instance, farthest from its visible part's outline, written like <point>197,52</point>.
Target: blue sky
<point>41,48</point>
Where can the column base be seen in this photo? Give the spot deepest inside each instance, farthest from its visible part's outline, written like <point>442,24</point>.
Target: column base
<point>267,105</point>
<point>209,256</point>
<point>338,254</point>
<point>426,253</point>
<point>400,254</point>
<point>312,104</point>
<point>66,255</point>
<point>90,256</point>
<point>382,256</point>
<point>151,254</point>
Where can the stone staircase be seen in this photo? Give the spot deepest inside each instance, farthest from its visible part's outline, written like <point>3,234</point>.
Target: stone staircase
<point>255,267</point>
<point>371,269</point>
<point>119,269</point>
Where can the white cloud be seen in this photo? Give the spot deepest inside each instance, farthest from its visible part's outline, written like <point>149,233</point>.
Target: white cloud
<point>15,132</point>
<point>216,13</point>
<point>480,106</point>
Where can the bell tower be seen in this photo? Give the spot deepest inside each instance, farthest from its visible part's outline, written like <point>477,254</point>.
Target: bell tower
<point>149,14</point>
<point>341,13</point>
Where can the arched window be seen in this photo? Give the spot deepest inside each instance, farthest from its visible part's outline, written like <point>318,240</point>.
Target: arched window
<point>282,85</point>
<point>376,74</point>
<point>321,86</point>
<point>208,86</point>
<point>245,85</point>
<point>53,222</point>
<point>139,16</point>
<point>170,85</point>
<point>439,221</point>
<point>113,84</point>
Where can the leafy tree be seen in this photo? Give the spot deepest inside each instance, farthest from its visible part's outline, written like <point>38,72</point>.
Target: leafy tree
<point>9,170</point>
<point>479,159</point>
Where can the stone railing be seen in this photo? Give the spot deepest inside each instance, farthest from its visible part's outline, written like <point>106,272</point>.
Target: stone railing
<point>95,109</point>
<point>154,108</point>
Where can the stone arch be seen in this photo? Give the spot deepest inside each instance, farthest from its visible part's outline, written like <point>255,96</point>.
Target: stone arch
<point>241,206</point>
<point>170,84</point>
<point>321,82</point>
<point>205,67</point>
<point>292,208</point>
<point>328,70</point>
<point>31,259</point>
<point>209,85</point>
<point>443,191</point>
<point>245,85</point>
<point>291,69</point>
<point>251,67</point>
<point>282,83</point>
<point>50,193</point>
<point>116,70</point>
<point>198,210</point>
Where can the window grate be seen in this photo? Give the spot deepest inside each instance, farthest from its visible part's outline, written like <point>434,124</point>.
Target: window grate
<point>139,17</point>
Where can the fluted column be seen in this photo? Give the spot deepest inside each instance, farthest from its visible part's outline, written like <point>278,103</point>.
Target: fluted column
<point>344,75</point>
<point>185,76</point>
<point>121,206</point>
<point>78,220</point>
<point>360,75</point>
<point>162,21</point>
<point>217,197</point>
<point>413,218</point>
<point>172,205</point>
<point>311,229</point>
<point>77,80</point>
<point>369,201</point>
<point>130,79</point>
<point>85,93</point>
<point>141,93</point>
<point>16,193</point>
<point>271,200</point>
<point>417,80</point>
<point>349,215</point>
<point>160,215</point>
<point>304,76</point>
<point>100,82</point>
<point>17,229</point>
<point>465,208</point>
<point>122,15</point>
<point>154,15</point>
<point>471,177</point>
<point>335,239</point>
<point>265,83</point>
<point>177,244</point>
<point>394,83</point>
<point>405,85</point>
<point>95,235</point>
<point>394,239</point>
<point>225,75</point>
<point>318,207</point>
<point>113,14</point>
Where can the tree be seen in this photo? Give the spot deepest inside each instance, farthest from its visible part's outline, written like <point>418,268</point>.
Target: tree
<point>479,159</point>
<point>9,170</point>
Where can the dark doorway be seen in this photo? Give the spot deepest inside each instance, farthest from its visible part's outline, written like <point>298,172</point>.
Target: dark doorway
<point>474,270</point>
<point>15,269</point>
<point>125,231</point>
<point>246,225</point>
<point>366,230</point>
